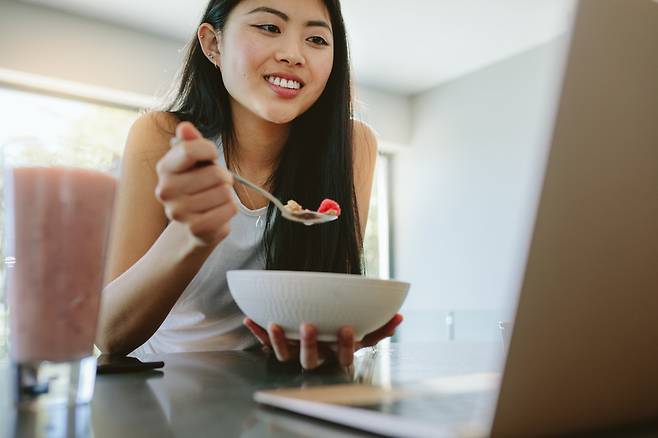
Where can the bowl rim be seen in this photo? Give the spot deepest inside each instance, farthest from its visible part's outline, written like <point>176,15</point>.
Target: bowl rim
<point>276,273</point>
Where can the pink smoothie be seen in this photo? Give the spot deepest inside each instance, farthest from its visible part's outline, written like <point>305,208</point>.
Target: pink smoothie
<point>57,233</point>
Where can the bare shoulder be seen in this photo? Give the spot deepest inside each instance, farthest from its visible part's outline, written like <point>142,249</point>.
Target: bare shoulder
<point>149,136</point>
<point>156,122</point>
<point>364,159</point>
<point>364,139</point>
<point>364,152</point>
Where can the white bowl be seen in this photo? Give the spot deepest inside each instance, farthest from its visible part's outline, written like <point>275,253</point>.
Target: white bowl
<point>328,301</point>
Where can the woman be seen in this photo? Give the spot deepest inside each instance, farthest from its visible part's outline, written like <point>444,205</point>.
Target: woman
<point>265,92</point>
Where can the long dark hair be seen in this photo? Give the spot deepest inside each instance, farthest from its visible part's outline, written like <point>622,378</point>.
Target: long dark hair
<point>315,163</point>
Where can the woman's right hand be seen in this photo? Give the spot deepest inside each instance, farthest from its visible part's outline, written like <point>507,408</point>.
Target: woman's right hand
<point>198,197</point>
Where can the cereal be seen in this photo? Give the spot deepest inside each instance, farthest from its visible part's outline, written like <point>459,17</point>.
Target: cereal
<point>328,206</point>
<point>293,206</point>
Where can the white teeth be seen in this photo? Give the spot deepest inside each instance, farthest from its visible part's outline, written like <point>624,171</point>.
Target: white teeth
<point>284,83</point>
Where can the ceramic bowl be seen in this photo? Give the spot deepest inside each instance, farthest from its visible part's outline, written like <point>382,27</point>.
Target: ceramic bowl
<point>327,300</point>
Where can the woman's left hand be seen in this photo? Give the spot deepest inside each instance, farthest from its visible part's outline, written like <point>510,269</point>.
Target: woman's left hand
<point>313,353</point>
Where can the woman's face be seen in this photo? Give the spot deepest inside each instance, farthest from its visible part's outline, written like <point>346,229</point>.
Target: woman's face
<point>276,56</point>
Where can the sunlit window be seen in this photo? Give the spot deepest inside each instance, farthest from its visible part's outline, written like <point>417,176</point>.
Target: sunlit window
<point>92,129</point>
<point>376,239</point>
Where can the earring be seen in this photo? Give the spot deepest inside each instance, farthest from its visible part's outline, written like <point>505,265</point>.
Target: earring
<point>212,59</point>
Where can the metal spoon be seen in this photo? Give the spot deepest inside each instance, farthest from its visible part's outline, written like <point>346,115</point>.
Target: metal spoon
<point>306,217</point>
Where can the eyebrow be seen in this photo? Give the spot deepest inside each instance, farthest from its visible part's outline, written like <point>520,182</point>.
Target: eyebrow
<point>284,17</point>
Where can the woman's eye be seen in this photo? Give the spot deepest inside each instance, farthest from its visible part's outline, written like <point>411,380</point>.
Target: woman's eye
<point>271,28</point>
<point>318,40</point>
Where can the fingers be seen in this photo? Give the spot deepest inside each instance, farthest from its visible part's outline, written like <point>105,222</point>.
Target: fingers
<point>213,225</point>
<point>187,131</point>
<point>184,155</point>
<point>279,342</point>
<point>345,341</point>
<point>345,346</point>
<point>188,148</point>
<point>309,355</point>
<point>195,180</point>
<point>193,193</point>
<point>259,332</point>
<point>384,331</point>
<point>206,213</point>
<point>182,208</point>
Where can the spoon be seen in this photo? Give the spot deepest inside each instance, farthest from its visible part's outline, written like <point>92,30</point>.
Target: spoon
<point>306,217</point>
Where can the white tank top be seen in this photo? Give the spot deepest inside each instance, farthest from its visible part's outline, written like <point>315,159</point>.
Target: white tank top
<point>205,317</point>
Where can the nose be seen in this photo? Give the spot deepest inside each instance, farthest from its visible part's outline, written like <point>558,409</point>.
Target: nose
<point>290,53</point>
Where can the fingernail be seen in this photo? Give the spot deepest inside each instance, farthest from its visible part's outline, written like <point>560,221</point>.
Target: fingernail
<point>305,331</point>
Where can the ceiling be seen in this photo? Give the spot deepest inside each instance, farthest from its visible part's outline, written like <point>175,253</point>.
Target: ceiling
<point>403,47</point>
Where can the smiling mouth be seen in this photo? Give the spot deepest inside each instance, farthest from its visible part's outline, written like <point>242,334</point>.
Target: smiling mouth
<point>284,83</point>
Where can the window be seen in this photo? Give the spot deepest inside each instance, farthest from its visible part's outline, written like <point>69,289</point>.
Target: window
<point>376,239</point>
<point>97,131</point>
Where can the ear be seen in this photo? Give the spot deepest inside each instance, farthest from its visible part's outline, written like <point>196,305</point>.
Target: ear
<point>210,43</point>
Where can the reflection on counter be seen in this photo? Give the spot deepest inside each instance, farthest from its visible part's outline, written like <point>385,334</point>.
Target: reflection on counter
<point>56,422</point>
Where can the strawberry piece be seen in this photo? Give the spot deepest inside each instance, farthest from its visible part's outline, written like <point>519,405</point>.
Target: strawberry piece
<point>329,206</point>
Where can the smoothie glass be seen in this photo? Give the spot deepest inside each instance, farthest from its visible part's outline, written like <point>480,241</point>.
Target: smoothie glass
<point>57,215</point>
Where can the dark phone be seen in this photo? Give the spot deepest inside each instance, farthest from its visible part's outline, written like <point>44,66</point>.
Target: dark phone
<point>111,364</point>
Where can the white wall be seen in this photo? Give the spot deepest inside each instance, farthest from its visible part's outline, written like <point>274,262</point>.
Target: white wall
<point>389,114</point>
<point>50,44</point>
<point>464,190</point>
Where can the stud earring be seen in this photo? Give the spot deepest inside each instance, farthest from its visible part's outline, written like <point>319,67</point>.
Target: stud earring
<point>212,59</point>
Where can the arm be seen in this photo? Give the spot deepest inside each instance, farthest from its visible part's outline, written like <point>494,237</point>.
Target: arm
<point>365,159</point>
<point>151,258</point>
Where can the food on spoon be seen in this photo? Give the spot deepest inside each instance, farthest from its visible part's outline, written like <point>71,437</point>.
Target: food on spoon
<point>293,206</point>
<point>298,211</point>
<point>329,206</point>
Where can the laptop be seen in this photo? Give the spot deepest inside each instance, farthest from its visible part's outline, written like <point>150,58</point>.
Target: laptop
<point>583,355</point>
